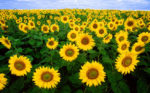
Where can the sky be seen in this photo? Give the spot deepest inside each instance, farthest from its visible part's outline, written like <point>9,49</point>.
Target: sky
<point>79,4</point>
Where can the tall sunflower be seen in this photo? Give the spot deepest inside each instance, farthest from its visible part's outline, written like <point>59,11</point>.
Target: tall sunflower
<point>19,66</point>
<point>123,47</point>
<point>46,77</point>
<point>85,41</point>
<point>126,62</point>
<point>107,38</point>
<point>3,81</point>
<point>138,48</point>
<point>6,42</point>
<point>51,43</point>
<point>72,35</point>
<point>45,28</point>
<point>92,73</point>
<point>144,37</point>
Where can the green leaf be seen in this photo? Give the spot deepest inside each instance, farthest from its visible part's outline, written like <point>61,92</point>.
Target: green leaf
<point>4,69</point>
<point>142,86</point>
<point>75,80</point>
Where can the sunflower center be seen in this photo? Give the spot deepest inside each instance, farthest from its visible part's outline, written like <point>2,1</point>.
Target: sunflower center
<point>76,28</point>
<point>144,38</point>
<point>51,43</point>
<point>121,38</point>
<point>26,28</point>
<point>73,35</point>
<point>45,28</point>
<point>130,23</point>
<point>85,40</point>
<point>19,65</point>
<point>46,76</point>
<point>107,38</point>
<point>54,28</point>
<point>101,31</point>
<point>65,18</point>
<point>124,46</point>
<point>94,26</point>
<point>138,48</point>
<point>111,25</point>
<point>31,24</point>
<point>126,61</point>
<point>7,42</point>
<point>92,73</point>
<point>69,52</point>
<point>5,28</point>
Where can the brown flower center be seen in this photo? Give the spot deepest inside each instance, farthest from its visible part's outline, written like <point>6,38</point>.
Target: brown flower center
<point>144,38</point>
<point>45,28</point>
<point>127,61</point>
<point>85,41</point>
<point>124,46</point>
<point>94,26</point>
<point>130,23</point>
<point>76,28</point>
<point>65,19</point>
<point>46,76</point>
<point>51,43</point>
<point>101,31</point>
<point>111,25</point>
<point>26,28</point>
<point>138,48</point>
<point>31,24</point>
<point>73,35</point>
<point>69,52</point>
<point>121,38</point>
<point>7,42</point>
<point>54,28</point>
<point>19,65</point>
<point>92,73</point>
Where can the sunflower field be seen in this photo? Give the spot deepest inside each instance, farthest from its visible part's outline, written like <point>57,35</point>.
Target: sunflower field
<point>74,51</point>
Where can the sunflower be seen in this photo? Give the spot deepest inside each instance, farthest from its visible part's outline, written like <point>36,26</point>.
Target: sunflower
<point>111,25</point>
<point>76,28</point>
<point>21,26</point>
<point>130,23</point>
<point>94,26</point>
<point>25,28</point>
<point>121,36</point>
<point>123,47</point>
<point>19,66</point>
<point>72,35</point>
<point>107,38</point>
<point>138,48</point>
<point>6,42</point>
<point>45,28</point>
<point>69,52</point>
<point>3,81</point>
<point>101,32</point>
<point>51,43</point>
<point>92,73</point>
<point>64,19</point>
<point>46,77</point>
<point>4,27</point>
<point>31,24</point>
<point>101,24</point>
<point>85,41</point>
<point>144,37</point>
<point>54,27</point>
<point>126,62</point>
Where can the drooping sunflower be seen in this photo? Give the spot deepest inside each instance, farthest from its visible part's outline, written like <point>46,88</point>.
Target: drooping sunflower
<point>144,37</point>
<point>69,52</point>
<point>45,28</point>
<point>19,66</point>
<point>126,62</point>
<point>121,36</point>
<point>123,47</point>
<point>3,81</point>
<point>85,41</point>
<point>72,35</point>
<point>6,42</point>
<point>46,77</point>
<point>101,32</point>
<point>107,38</point>
<point>51,43</point>
<point>64,19</point>
<point>138,48</point>
<point>54,27</point>
<point>130,23</point>
<point>25,28</point>
<point>92,73</point>
<point>21,26</point>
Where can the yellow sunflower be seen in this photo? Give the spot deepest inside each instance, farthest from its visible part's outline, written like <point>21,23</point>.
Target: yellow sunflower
<point>64,19</point>
<point>111,25</point>
<point>76,28</point>
<point>51,43</point>
<point>19,66</point>
<point>6,42</point>
<point>123,47</point>
<point>21,26</point>
<point>31,24</point>
<point>126,62</point>
<point>130,23</point>
<point>72,35</point>
<point>94,26</point>
<point>3,81</point>
<point>45,28</point>
<point>4,27</point>
<point>144,37</point>
<point>85,41</point>
<point>25,28</point>
<point>46,77</point>
<point>92,73</point>
<point>101,32</point>
<point>107,38</point>
<point>121,36</point>
<point>54,27</point>
<point>138,48</point>
<point>69,52</point>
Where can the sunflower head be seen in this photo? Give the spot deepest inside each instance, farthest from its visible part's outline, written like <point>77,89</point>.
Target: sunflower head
<point>3,81</point>
<point>45,28</point>
<point>51,43</point>
<point>5,41</point>
<point>144,37</point>
<point>138,48</point>
<point>72,35</point>
<point>54,27</point>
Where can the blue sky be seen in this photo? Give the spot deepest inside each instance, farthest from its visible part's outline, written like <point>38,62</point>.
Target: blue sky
<point>82,4</point>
